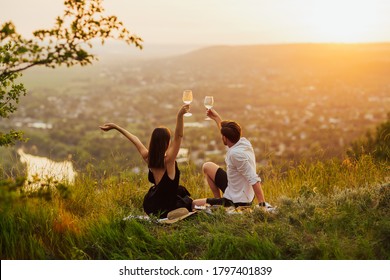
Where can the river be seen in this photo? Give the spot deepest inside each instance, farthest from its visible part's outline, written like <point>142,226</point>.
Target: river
<point>42,170</point>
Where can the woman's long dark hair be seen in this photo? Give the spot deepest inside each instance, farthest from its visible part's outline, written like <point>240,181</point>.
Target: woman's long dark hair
<point>159,142</point>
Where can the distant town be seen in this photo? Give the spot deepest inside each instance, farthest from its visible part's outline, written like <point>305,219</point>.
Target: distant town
<point>301,103</point>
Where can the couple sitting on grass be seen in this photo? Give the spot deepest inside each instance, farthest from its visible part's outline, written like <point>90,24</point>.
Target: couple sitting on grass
<point>239,184</point>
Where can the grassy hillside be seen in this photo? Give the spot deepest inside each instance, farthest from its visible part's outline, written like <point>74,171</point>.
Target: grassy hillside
<point>327,210</point>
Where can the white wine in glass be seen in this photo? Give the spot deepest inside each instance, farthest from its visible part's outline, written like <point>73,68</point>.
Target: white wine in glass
<point>187,99</point>
<point>208,103</point>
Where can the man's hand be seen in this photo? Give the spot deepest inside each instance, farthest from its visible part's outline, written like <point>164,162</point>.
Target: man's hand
<point>212,114</point>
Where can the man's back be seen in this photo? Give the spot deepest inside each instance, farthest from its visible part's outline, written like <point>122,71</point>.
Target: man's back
<point>241,172</point>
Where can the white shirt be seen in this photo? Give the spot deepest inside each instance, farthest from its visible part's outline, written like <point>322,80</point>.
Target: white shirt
<point>241,172</point>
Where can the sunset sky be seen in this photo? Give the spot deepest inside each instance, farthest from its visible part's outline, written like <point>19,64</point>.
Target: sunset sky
<point>208,22</point>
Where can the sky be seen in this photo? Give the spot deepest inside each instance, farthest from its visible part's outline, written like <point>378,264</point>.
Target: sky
<point>230,22</point>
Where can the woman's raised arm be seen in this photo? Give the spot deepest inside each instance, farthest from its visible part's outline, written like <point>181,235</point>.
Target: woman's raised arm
<point>134,139</point>
<point>174,148</point>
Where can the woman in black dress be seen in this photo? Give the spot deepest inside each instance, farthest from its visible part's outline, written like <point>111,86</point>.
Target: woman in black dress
<point>166,194</point>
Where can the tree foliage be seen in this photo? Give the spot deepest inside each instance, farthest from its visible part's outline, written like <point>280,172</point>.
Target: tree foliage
<point>67,43</point>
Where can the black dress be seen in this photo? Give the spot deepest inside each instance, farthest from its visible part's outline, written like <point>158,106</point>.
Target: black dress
<point>166,196</point>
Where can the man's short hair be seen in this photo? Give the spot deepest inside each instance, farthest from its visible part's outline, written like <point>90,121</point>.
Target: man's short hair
<point>231,130</point>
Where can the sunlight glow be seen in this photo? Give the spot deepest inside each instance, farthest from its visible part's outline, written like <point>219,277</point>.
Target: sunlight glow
<point>343,21</point>
<point>194,22</point>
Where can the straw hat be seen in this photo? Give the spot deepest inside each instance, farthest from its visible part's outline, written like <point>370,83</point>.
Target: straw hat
<point>177,215</point>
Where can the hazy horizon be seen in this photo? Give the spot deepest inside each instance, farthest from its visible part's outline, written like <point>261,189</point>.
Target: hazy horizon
<point>152,51</point>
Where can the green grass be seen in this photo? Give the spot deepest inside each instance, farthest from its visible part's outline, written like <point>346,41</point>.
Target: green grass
<point>327,210</point>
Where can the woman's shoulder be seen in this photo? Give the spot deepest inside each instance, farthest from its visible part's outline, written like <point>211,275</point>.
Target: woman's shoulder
<point>170,161</point>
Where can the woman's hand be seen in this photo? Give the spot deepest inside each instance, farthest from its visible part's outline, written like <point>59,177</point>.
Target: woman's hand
<point>184,109</point>
<point>108,126</point>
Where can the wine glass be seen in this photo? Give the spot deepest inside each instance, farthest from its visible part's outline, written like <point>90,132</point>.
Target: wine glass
<point>208,103</point>
<point>187,99</point>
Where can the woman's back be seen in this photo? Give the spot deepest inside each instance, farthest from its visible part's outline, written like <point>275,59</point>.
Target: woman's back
<point>158,173</point>
<point>162,196</point>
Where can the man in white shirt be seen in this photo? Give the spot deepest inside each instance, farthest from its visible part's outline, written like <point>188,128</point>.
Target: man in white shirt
<point>240,183</point>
